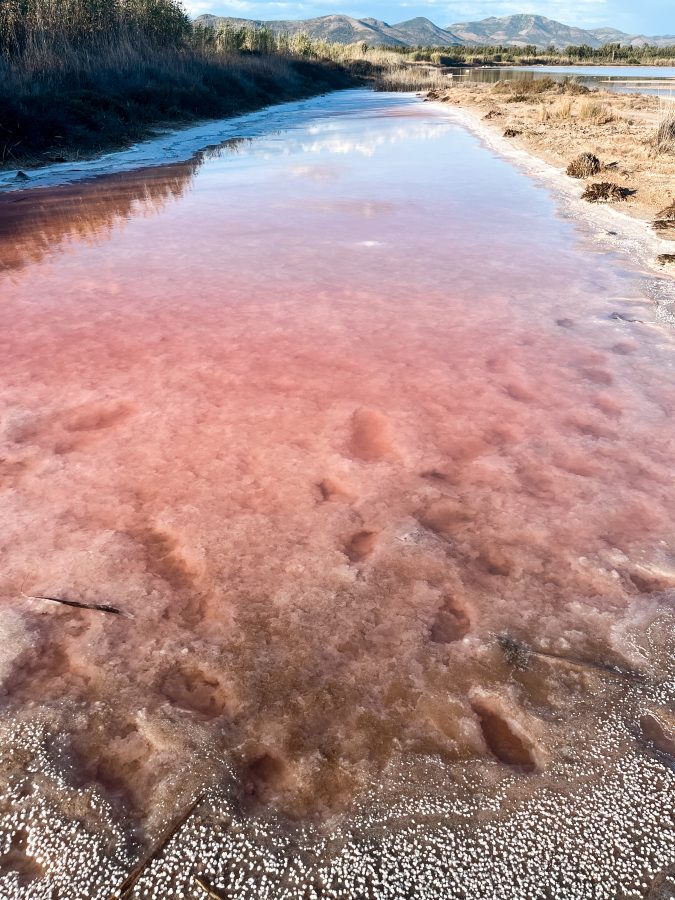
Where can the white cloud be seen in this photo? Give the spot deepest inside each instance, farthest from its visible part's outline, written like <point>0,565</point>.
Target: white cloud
<point>253,9</point>
<point>198,7</point>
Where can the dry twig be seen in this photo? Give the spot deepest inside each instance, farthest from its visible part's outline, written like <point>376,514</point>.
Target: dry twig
<point>125,889</point>
<point>208,890</point>
<point>99,607</point>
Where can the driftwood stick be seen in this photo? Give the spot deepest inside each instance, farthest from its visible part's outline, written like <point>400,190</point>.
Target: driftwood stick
<point>127,886</point>
<point>208,890</point>
<point>98,607</point>
<point>519,651</point>
<point>607,668</point>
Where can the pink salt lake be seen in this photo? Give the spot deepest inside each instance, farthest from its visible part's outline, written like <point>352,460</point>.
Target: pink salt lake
<point>374,449</point>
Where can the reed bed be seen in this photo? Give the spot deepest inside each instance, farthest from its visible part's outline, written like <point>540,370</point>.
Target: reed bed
<point>665,133</point>
<point>526,86</point>
<point>80,76</point>
<point>410,78</point>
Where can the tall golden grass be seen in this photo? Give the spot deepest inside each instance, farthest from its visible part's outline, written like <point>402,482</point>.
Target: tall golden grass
<point>79,76</point>
<point>665,132</point>
<point>26,25</point>
<point>595,113</point>
<point>86,75</point>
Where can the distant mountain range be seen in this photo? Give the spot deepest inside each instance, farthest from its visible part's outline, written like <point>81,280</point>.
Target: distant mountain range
<point>521,30</point>
<point>345,30</point>
<point>518,30</point>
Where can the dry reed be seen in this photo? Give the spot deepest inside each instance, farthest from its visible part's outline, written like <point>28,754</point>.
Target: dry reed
<point>665,133</point>
<point>595,113</point>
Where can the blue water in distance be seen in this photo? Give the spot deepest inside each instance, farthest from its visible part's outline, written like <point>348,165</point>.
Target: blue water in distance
<point>655,80</point>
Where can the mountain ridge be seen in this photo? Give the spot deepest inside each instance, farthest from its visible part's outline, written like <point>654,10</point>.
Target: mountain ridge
<point>519,30</point>
<point>347,30</point>
<point>522,29</point>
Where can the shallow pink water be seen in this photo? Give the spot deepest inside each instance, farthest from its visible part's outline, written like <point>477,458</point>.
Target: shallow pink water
<point>326,413</point>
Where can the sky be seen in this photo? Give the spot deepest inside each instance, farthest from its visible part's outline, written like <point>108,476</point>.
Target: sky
<point>634,16</point>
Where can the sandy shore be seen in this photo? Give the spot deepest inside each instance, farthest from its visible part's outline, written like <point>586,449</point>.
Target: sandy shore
<point>556,127</point>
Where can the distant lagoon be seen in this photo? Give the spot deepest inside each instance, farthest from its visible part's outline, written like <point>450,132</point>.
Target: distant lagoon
<point>656,80</point>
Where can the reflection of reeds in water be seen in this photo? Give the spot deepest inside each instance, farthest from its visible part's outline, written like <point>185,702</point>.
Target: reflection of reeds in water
<point>34,224</point>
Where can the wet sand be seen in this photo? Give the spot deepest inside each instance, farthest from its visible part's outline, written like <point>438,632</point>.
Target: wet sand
<point>389,518</point>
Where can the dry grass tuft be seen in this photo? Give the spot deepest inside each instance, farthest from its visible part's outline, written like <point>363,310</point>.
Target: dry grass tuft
<point>667,214</point>
<point>563,111</point>
<point>525,87</point>
<point>664,223</point>
<point>584,166</point>
<point>571,86</point>
<point>595,113</point>
<point>665,134</point>
<point>604,192</point>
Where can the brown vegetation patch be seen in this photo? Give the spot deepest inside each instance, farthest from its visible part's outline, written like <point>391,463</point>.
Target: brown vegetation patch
<point>667,214</point>
<point>596,113</point>
<point>605,192</point>
<point>574,88</point>
<point>665,134</point>
<point>665,229</point>
<point>584,166</point>
<point>97,417</point>
<point>524,87</point>
<point>512,132</point>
